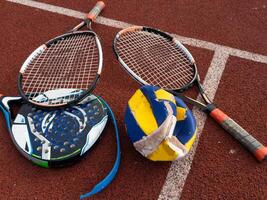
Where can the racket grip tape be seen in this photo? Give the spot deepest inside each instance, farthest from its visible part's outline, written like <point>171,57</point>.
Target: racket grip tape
<point>240,134</point>
<point>96,10</point>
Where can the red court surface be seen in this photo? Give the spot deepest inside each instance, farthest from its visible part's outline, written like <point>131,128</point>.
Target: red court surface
<point>221,168</point>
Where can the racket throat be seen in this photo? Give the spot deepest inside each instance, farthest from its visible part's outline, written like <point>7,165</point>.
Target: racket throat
<point>210,107</point>
<point>88,23</point>
<point>202,92</point>
<point>85,22</point>
<point>190,100</point>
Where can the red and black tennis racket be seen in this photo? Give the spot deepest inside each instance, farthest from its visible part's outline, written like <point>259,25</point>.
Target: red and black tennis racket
<point>65,69</point>
<point>155,58</point>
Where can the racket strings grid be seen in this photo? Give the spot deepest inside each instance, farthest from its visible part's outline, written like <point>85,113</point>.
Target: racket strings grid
<point>71,61</point>
<point>155,59</point>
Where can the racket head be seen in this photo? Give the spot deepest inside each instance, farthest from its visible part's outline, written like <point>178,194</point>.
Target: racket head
<point>58,137</point>
<point>153,57</point>
<point>70,64</point>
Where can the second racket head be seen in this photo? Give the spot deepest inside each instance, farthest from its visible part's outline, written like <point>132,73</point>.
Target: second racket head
<point>154,57</point>
<point>69,64</point>
<point>52,138</point>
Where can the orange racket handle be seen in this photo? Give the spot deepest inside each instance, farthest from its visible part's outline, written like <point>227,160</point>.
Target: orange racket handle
<point>96,10</point>
<point>240,134</point>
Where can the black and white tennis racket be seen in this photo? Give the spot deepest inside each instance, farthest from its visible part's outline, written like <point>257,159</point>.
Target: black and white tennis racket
<point>54,138</point>
<point>69,64</point>
<point>156,58</point>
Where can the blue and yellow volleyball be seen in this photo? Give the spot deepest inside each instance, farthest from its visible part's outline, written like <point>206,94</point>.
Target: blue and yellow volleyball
<point>159,125</point>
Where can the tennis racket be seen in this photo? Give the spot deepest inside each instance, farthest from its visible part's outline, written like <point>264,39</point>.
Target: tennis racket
<point>156,58</point>
<point>54,138</point>
<point>65,68</point>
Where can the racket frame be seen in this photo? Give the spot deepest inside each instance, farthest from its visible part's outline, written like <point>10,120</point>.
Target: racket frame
<point>90,17</point>
<point>176,91</point>
<point>46,45</point>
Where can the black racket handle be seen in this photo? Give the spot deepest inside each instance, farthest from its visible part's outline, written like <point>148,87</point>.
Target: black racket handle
<point>240,134</point>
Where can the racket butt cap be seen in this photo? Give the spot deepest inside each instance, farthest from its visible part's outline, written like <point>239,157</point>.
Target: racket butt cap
<point>261,154</point>
<point>101,4</point>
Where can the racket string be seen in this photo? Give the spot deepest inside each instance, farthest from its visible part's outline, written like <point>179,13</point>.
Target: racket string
<point>32,80</point>
<point>71,62</point>
<point>37,79</point>
<point>159,58</point>
<point>53,54</point>
<point>155,59</point>
<point>69,82</point>
<point>57,55</point>
<point>56,63</point>
<point>139,62</point>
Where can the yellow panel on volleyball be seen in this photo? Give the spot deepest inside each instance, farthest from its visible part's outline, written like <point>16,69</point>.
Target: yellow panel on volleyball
<point>163,153</point>
<point>143,113</point>
<point>164,95</point>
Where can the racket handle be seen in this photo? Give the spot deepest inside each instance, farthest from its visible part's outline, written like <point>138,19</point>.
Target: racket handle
<point>96,10</point>
<point>240,134</point>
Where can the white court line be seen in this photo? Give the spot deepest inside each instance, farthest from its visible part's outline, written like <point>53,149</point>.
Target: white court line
<point>176,177</point>
<point>179,170</point>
